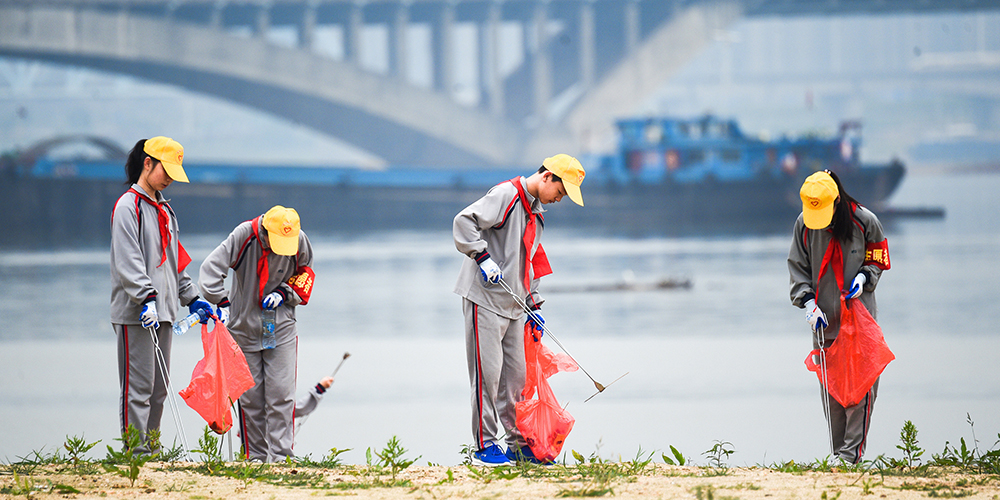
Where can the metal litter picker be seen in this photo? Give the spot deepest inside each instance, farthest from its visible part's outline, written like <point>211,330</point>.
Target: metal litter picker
<point>821,335</point>
<point>302,421</point>
<point>527,310</point>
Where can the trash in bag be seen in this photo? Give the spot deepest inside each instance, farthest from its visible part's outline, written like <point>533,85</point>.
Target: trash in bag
<point>220,378</point>
<point>856,358</point>
<point>542,422</point>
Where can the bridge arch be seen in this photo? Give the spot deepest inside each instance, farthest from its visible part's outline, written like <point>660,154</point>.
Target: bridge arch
<point>401,123</point>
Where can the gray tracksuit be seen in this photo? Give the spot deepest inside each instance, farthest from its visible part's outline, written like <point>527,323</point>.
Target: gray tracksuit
<point>136,276</point>
<point>266,409</point>
<point>308,402</point>
<point>849,426</point>
<point>494,323</point>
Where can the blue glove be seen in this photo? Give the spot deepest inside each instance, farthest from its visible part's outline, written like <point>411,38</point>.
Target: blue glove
<point>815,316</point>
<point>148,317</point>
<point>204,309</point>
<point>491,271</point>
<point>536,322</point>
<point>858,286</point>
<point>272,300</point>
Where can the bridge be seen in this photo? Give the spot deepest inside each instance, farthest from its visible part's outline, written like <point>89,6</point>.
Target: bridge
<point>578,63</point>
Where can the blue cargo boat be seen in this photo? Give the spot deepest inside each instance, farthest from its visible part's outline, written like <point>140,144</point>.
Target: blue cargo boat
<point>668,176</point>
<point>704,175</point>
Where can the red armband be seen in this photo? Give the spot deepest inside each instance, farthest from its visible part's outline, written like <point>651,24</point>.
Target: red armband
<point>877,254</point>
<point>302,283</point>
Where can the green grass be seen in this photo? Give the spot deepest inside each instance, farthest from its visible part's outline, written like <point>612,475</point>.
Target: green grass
<point>576,475</point>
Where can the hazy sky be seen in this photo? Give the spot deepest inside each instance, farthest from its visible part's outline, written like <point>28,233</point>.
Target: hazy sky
<point>912,79</point>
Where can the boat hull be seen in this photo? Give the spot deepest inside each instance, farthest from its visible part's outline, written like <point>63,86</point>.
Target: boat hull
<point>75,212</point>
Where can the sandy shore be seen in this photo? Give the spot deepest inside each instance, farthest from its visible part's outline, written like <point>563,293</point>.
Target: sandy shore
<point>181,481</point>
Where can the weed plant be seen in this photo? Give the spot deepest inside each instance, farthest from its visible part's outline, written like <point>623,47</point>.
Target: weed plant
<point>173,454</point>
<point>128,463</point>
<point>962,457</point>
<point>77,447</point>
<point>391,457</point>
<point>678,458</point>
<point>210,448</point>
<point>329,461</point>
<point>389,461</point>
<point>717,456</point>
<point>22,485</point>
<point>597,477</point>
<point>970,459</point>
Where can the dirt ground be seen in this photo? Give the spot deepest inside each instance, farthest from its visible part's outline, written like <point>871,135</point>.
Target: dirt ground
<point>438,482</point>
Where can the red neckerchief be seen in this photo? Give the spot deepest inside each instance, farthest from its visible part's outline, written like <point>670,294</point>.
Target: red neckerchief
<point>539,263</point>
<point>262,271</point>
<point>834,257</point>
<point>164,221</point>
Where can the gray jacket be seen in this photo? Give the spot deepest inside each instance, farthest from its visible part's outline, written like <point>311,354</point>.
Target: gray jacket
<point>496,223</point>
<point>806,256</point>
<point>136,271</point>
<point>241,252</point>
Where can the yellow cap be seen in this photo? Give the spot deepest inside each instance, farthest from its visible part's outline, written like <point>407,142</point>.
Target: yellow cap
<point>818,193</point>
<point>171,155</point>
<point>282,226</point>
<point>570,171</point>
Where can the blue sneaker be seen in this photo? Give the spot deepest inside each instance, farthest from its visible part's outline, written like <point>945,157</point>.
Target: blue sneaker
<point>491,456</point>
<point>523,454</point>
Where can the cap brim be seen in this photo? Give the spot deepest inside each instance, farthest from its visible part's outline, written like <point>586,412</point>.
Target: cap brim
<point>574,192</point>
<point>818,218</point>
<point>283,245</point>
<point>175,171</point>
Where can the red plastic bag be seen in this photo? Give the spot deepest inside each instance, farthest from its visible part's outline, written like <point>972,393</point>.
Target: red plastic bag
<point>220,378</point>
<point>856,358</point>
<point>542,422</point>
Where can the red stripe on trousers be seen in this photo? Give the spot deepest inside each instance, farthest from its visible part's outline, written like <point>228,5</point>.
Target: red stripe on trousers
<point>479,374</point>
<point>868,415</point>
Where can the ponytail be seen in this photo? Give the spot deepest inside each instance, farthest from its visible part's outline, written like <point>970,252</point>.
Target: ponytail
<point>133,165</point>
<point>843,214</point>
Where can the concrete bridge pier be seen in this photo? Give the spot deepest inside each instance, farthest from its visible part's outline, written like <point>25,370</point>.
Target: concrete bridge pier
<point>443,44</point>
<point>307,28</point>
<point>398,43</point>
<point>352,33</point>
<point>586,61</point>
<point>263,21</point>
<point>491,85</point>
<point>541,64</point>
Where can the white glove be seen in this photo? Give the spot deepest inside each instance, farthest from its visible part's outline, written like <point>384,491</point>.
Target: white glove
<point>815,316</point>
<point>148,317</point>
<point>491,271</point>
<point>272,300</point>
<point>223,314</point>
<point>858,286</point>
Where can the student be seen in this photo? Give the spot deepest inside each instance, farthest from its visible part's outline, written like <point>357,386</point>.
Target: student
<point>838,247</point>
<point>310,400</point>
<point>307,404</point>
<point>500,234</point>
<point>271,259</point>
<point>147,279</point>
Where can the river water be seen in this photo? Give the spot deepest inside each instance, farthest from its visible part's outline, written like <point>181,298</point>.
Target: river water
<point>719,361</point>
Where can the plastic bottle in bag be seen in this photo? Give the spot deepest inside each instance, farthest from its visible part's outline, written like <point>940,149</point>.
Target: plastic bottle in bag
<point>268,340</point>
